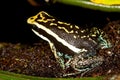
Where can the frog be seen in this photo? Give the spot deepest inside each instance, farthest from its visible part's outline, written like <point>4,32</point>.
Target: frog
<point>72,45</point>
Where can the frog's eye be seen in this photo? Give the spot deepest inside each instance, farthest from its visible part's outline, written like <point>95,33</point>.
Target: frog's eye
<point>32,18</point>
<point>44,15</point>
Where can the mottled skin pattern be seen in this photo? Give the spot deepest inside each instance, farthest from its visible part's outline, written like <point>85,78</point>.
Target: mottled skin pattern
<point>71,45</point>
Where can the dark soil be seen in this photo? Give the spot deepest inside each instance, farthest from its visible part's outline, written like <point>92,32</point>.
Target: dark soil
<point>38,60</point>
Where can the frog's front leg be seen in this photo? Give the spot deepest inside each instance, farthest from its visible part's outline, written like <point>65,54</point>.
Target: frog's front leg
<point>53,49</point>
<point>58,55</point>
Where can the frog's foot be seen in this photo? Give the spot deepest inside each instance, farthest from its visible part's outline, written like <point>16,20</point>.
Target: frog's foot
<point>103,43</point>
<point>64,60</point>
<point>102,38</point>
<point>60,60</point>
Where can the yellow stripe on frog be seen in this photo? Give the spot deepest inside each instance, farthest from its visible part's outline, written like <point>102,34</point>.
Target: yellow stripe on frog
<point>107,2</point>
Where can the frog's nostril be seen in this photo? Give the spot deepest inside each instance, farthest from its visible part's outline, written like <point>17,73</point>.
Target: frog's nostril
<point>31,18</point>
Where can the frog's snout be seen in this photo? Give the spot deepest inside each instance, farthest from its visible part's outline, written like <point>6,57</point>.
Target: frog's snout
<point>30,20</point>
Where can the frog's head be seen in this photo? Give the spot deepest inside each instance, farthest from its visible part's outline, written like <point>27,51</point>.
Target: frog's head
<point>41,17</point>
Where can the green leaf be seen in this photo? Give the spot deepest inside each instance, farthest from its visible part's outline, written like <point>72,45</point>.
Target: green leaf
<point>90,5</point>
<point>5,75</point>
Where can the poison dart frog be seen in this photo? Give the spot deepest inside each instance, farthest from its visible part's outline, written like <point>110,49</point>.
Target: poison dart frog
<point>71,45</point>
